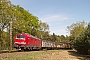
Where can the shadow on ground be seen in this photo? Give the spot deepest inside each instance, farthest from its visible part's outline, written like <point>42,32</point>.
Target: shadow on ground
<point>79,56</point>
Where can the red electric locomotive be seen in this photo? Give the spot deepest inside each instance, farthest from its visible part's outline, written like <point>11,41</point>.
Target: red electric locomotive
<point>26,41</point>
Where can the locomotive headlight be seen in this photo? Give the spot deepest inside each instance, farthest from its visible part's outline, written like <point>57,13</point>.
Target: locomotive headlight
<point>23,42</point>
<point>16,43</point>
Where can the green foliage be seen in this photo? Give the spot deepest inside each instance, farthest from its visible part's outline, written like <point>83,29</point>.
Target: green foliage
<point>54,37</point>
<point>82,41</point>
<point>5,17</point>
<point>58,39</point>
<point>22,22</point>
<point>75,29</point>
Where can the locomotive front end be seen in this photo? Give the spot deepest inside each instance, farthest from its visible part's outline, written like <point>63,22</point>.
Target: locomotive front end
<point>19,41</point>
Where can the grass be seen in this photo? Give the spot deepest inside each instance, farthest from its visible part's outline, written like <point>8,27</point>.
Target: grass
<point>31,56</point>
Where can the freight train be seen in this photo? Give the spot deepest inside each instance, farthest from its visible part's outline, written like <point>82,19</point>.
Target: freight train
<point>26,41</point>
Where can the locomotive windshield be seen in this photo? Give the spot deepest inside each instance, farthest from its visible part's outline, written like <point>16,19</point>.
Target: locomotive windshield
<point>20,37</point>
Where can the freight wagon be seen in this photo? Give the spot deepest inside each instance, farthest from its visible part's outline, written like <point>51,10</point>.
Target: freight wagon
<point>28,42</point>
<point>62,45</point>
<point>47,44</point>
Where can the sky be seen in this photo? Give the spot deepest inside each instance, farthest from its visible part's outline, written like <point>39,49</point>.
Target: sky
<point>58,14</point>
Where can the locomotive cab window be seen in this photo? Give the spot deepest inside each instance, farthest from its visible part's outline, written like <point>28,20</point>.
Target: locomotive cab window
<point>20,37</point>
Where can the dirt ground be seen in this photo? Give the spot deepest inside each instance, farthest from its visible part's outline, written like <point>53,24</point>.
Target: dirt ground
<point>64,55</point>
<point>49,55</point>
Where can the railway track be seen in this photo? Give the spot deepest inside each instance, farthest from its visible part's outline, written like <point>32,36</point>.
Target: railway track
<point>8,51</point>
<point>11,51</point>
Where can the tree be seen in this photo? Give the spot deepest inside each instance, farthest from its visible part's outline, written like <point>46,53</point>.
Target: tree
<point>25,22</point>
<point>82,41</point>
<point>75,29</point>
<point>22,22</point>
<point>5,18</point>
<point>44,28</point>
<point>54,37</point>
<point>62,37</point>
<point>67,39</point>
<point>58,39</point>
